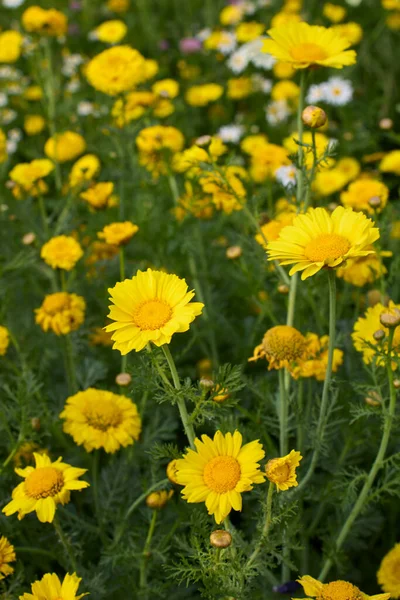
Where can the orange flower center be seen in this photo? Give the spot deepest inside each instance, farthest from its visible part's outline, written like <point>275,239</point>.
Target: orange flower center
<point>327,246</point>
<point>221,474</point>
<point>308,52</point>
<point>44,482</point>
<point>152,314</point>
<point>339,590</point>
<point>284,343</point>
<point>103,416</point>
<point>279,473</point>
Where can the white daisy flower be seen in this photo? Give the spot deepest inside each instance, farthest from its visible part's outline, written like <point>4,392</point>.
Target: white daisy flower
<point>286,176</point>
<point>276,112</point>
<point>237,62</point>
<point>261,84</point>
<point>85,108</point>
<point>228,43</point>
<point>316,93</point>
<point>3,99</point>
<point>11,146</point>
<point>231,133</point>
<point>13,3</point>
<point>338,91</point>
<point>204,34</point>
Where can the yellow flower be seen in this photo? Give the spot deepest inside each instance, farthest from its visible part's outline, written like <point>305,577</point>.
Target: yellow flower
<point>329,181</point>
<point>100,419</point>
<point>99,195</point>
<point>189,159</point>
<point>226,188</point>
<point>201,95</point>
<point>150,307</point>
<point>253,143</point>
<point>29,175</point>
<point>230,15</point>
<point>315,359</point>
<point>99,337</point>
<point>272,229</point>
<point>303,45</point>
<point>321,144</point>
<point>334,12</point>
<point>239,87</point>
<point>84,169</point>
<point>319,239</point>
<point>151,69</point>
<point>219,471</point>
<point>363,269</point>
<point>61,312</point>
<point>283,70</point>
<point>265,160</point>
<point>391,163</point>
<point>391,4</point>
<point>10,46</point>
<point>393,21</point>
<point>158,500</point>
<point>283,18</point>
<point>7,555</point>
<point>348,166</point>
<point>118,234</point>
<point>282,346</point>
<point>65,146</point>
<point>116,70</point>
<point>132,107</point>
<point>4,340</point>
<point>168,88</point>
<point>364,329</point>
<point>335,590</point>
<point>285,90</point>
<point>352,32</point>
<point>51,588</point>
<point>282,471</point>
<point>111,32</point>
<point>33,93</point>
<point>118,6</point>
<point>50,22</point>
<point>248,31</point>
<point>155,144</point>
<point>172,471</point>
<point>389,572</point>
<point>25,453</point>
<point>361,191</point>
<point>34,124</point>
<point>46,485</point>
<point>3,146</point>
<point>61,252</point>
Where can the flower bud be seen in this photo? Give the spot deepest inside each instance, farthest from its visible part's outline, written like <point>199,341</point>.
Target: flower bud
<point>171,471</point>
<point>396,384</point>
<point>373,398</point>
<point>390,318</point>
<point>378,335</point>
<point>233,252</point>
<point>375,202</point>
<point>220,538</point>
<point>314,117</point>
<point>123,379</point>
<point>373,297</point>
<point>158,500</point>
<point>332,206</point>
<point>35,423</point>
<point>283,288</point>
<point>28,238</point>
<point>386,123</point>
<point>206,383</point>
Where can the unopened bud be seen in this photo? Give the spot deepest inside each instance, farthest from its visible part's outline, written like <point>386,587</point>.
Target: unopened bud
<point>386,123</point>
<point>220,538</point>
<point>157,500</point>
<point>332,206</point>
<point>373,398</point>
<point>373,297</point>
<point>390,318</point>
<point>314,117</point>
<point>233,252</point>
<point>375,202</point>
<point>123,379</point>
<point>28,238</point>
<point>283,288</point>
<point>221,394</point>
<point>396,384</point>
<point>35,422</point>
<point>206,383</point>
<point>171,471</point>
<point>378,335</point>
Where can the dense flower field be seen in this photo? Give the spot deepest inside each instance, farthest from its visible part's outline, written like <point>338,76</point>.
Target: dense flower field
<point>199,299</point>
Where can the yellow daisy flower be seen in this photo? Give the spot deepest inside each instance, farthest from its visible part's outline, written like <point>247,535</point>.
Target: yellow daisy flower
<point>150,307</point>
<point>282,471</point>
<point>363,269</point>
<point>365,327</point>
<point>389,572</point>
<point>319,239</point>
<point>219,471</point>
<point>61,252</point>
<point>118,234</point>
<point>335,590</point>
<point>303,45</point>
<point>100,419</point>
<point>282,346</point>
<point>65,146</point>
<point>7,555</point>
<point>61,312</point>
<point>46,485</point>
<point>4,340</point>
<point>362,191</point>
<point>116,70</point>
<point>50,587</point>
<point>98,195</point>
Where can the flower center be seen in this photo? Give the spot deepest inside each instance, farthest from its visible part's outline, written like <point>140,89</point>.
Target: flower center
<point>308,52</point>
<point>152,314</point>
<point>284,343</point>
<point>339,590</point>
<point>103,416</point>
<point>327,246</point>
<point>44,482</point>
<point>281,473</point>
<point>221,474</point>
<point>56,303</point>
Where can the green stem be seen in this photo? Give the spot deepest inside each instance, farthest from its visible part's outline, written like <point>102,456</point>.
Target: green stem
<point>31,550</point>
<point>65,543</point>
<point>43,214</point>
<point>145,554</point>
<point>62,279</point>
<point>121,263</point>
<point>70,365</point>
<point>283,415</point>
<point>377,465</point>
<point>312,172</point>
<point>187,425</point>
<point>267,525</point>
<point>325,392</point>
<point>173,186</point>
<point>159,369</point>
<point>51,109</point>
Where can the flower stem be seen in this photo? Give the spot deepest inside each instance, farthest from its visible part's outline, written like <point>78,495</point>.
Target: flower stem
<point>70,365</point>
<point>65,543</point>
<point>328,375</point>
<point>43,214</point>
<point>283,415</point>
<point>267,524</point>
<point>187,425</point>
<point>51,110</point>
<point>145,554</point>
<point>121,263</point>
<point>377,465</point>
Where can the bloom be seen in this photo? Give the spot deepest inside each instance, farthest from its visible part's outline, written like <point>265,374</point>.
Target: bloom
<point>50,22</point>
<point>7,555</point>
<point>28,176</point>
<point>201,95</point>
<point>150,307</point>
<point>4,340</point>
<point>365,327</point>
<point>98,196</point>
<point>65,146</point>
<point>111,32</point>
<point>50,587</point>
<point>282,346</point>
<point>318,239</point>
<point>391,163</point>
<point>389,572</point>
<point>116,70</point>
<point>363,269</point>
<point>61,312</point>
<point>118,234</point>
<point>44,486</point>
<point>34,124</point>
<point>360,193</point>
<point>101,419</point>
<point>335,590</point>
<point>84,169</point>
<point>219,471</point>
<point>282,471</point>
<point>303,45</point>
<point>61,252</point>
<point>10,46</point>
